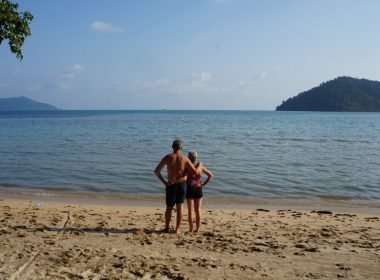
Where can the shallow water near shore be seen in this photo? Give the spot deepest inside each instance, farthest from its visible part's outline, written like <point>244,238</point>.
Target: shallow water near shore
<point>40,197</point>
<point>253,154</point>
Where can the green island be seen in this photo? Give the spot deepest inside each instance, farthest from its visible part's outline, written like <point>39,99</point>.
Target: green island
<point>342,94</point>
<point>23,104</point>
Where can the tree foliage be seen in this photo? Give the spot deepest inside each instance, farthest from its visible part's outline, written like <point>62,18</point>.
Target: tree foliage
<point>343,94</point>
<point>14,26</point>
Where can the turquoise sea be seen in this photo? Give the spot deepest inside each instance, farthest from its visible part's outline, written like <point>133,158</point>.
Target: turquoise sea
<point>253,154</point>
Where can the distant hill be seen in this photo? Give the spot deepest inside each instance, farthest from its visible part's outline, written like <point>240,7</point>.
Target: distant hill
<point>23,104</point>
<point>343,94</point>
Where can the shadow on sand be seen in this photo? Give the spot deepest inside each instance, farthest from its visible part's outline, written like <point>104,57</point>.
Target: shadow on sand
<point>91,230</point>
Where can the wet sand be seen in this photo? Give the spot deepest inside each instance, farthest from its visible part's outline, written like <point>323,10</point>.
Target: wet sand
<point>46,239</point>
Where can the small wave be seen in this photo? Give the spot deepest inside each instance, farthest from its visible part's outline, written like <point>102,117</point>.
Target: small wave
<point>335,197</point>
<point>92,189</point>
<point>349,141</point>
<point>57,188</point>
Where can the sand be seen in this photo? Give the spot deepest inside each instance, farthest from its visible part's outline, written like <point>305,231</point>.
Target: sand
<point>58,240</point>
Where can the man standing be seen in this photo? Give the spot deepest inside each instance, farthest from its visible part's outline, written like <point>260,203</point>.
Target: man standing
<point>177,167</point>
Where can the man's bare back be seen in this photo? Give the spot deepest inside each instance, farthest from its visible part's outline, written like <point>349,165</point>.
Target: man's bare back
<point>177,166</point>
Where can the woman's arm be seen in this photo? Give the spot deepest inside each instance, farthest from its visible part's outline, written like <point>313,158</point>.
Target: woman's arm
<point>209,175</point>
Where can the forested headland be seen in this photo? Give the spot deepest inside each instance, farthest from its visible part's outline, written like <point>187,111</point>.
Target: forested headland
<point>342,94</point>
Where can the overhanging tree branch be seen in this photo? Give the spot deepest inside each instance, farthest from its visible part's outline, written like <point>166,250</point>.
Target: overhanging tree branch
<point>14,26</point>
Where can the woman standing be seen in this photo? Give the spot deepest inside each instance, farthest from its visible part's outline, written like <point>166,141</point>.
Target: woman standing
<point>194,192</point>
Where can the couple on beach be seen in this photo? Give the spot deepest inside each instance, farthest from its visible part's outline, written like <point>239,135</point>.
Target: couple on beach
<point>184,181</point>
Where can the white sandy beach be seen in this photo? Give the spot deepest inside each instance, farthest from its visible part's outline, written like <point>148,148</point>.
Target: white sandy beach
<point>44,239</point>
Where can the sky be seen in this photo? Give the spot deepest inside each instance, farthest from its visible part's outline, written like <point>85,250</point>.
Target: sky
<point>198,54</point>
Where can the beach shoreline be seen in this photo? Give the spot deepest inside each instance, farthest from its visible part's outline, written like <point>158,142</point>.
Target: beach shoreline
<point>332,203</point>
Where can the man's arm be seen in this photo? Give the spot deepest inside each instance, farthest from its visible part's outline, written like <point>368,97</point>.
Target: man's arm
<point>197,169</point>
<point>158,169</point>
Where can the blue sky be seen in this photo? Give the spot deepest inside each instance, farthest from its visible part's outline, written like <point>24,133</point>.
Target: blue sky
<point>199,54</point>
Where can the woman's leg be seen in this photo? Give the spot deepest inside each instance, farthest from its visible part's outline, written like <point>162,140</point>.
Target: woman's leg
<point>190,202</point>
<point>198,213</point>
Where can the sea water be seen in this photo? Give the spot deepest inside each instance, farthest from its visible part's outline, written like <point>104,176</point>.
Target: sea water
<point>251,153</point>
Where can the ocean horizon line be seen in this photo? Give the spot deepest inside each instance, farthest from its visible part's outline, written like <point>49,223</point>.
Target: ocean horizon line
<point>178,110</point>
<point>155,110</point>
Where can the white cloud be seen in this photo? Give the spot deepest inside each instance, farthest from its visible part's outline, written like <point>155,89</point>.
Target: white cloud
<point>77,68</point>
<point>33,87</point>
<point>257,78</point>
<point>145,85</point>
<point>73,71</point>
<point>104,27</point>
<point>162,82</point>
<point>205,77</point>
<point>254,81</point>
<point>200,78</point>
<point>69,75</point>
<point>253,86</point>
<point>194,83</point>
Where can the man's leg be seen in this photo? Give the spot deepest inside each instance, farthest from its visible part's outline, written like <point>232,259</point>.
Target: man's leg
<point>179,217</point>
<point>170,196</point>
<point>198,213</point>
<point>168,217</point>
<point>190,213</point>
